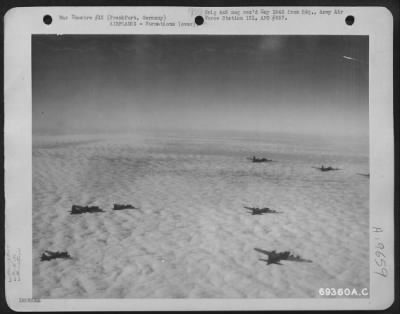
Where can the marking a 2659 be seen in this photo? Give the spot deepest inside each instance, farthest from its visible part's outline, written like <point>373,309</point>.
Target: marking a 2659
<point>379,252</point>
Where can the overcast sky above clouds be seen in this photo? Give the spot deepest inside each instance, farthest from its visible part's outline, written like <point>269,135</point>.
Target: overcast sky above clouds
<point>259,83</point>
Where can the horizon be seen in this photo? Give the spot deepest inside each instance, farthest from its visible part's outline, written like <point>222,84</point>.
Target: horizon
<point>122,83</point>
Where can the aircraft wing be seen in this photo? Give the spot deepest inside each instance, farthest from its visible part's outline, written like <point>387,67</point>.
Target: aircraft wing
<point>262,251</point>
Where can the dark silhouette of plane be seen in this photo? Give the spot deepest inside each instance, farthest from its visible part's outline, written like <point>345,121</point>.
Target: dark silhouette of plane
<point>122,206</point>
<point>49,255</point>
<point>76,209</point>
<point>255,159</point>
<point>323,168</point>
<point>260,211</point>
<point>276,257</point>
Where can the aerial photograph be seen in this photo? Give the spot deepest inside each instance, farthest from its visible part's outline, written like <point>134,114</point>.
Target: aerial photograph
<point>199,166</point>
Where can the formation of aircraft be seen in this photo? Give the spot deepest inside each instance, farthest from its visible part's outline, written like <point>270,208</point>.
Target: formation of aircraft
<point>76,209</point>
<point>322,168</point>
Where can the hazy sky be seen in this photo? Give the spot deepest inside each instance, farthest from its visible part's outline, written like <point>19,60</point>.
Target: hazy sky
<point>311,84</point>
